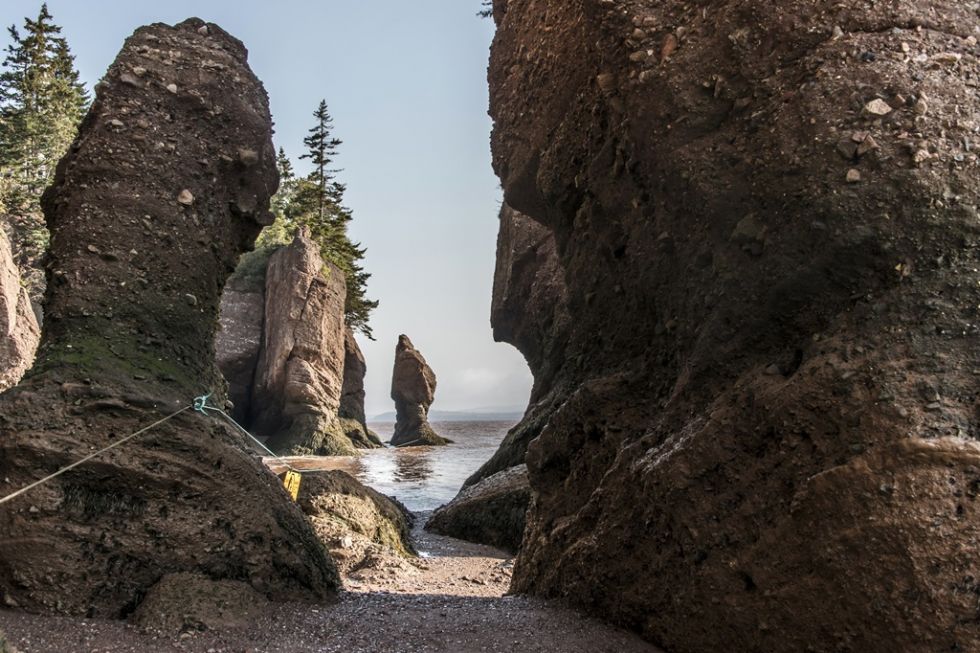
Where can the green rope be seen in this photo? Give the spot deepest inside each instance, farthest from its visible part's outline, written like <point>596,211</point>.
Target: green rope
<point>200,405</point>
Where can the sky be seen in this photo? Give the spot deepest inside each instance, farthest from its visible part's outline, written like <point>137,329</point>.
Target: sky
<point>406,86</point>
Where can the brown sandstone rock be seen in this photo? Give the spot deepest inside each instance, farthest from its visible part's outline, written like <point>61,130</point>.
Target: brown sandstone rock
<point>134,281</point>
<point>351,410</point>
<point>300,372</point>
<point>19,331</point>
<point>413,388</point>
<point>763,437</point>
<point>489,512</point>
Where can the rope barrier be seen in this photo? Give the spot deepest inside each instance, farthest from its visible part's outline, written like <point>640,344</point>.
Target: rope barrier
<point>11,497</point>
<point>200,405</point>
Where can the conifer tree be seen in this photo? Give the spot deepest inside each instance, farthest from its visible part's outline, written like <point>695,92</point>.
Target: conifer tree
<point>316,201</point>
<point>280,231</point>
<point>42,101</point>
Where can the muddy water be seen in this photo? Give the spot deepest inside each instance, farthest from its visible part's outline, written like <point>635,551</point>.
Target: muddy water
<point>423,478</point>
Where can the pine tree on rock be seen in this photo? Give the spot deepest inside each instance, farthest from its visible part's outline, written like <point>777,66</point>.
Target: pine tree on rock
<point>316,201</point>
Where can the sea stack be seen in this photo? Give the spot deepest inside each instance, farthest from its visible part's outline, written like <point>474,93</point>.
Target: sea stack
<point>300,370</point>
<point>413,388</point>
<point>166,185</point>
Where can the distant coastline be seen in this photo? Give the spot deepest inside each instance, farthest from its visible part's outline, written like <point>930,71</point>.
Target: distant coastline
<point>503,415</point>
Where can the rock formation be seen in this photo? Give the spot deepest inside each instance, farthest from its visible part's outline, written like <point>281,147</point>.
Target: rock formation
<point>355,523</point>
<point>764,437</point>
<point>239,340</point>
<point>300,371</point>
<point>529,310</point>
<point>491,511</point>
<point>351,412</point>
<point>294,401</point>
<point>19,331</point>
<point>167,183</point>
<point>413,389</point>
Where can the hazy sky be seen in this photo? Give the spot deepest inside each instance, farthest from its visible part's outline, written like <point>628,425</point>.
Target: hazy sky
<point>406,85</point>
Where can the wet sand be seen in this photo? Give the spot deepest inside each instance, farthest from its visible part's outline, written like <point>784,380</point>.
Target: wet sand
<point>452,600</point>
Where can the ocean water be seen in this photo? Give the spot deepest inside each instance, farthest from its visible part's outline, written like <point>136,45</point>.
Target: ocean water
<point>424,478</point>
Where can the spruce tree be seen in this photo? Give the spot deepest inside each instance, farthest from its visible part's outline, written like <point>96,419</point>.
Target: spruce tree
<point>42,101</point>
<point>316,201</point>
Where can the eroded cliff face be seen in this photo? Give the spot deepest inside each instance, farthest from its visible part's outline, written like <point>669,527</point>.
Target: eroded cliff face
<point>166,185</point>
<point>530,311</point>
<point>351,411</point>
<point>413,389</point>
<point>766,215</point>
<point>19,330</point>
<point>300,370</point>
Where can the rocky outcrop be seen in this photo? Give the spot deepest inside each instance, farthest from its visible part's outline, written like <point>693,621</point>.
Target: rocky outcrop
<point>19,331</point>
<point>530,311</point>
<point>300,371</point>
<point>167,183</point>
<point>765,429</point>
<point>351,412</point>
<point>413,389</point>
<point>489,512</point>
<point>359,526</point>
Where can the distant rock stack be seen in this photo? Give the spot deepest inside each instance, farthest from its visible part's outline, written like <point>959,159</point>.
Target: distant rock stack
<point>413,388</point>
<point>19,331</point>
<point>351,412</point>
<point>166,185</point>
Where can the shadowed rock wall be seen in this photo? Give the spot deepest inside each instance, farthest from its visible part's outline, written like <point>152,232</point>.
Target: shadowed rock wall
<point>765,424</point>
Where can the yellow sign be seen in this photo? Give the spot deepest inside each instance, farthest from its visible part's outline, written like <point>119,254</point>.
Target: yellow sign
<point>291,481</point>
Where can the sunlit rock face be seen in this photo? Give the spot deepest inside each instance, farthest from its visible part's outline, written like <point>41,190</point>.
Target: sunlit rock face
<point>413,389</point>
<point>761,426</point>
<point>19,330</point>
<point>300,373</point>
<point>166,185</point>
